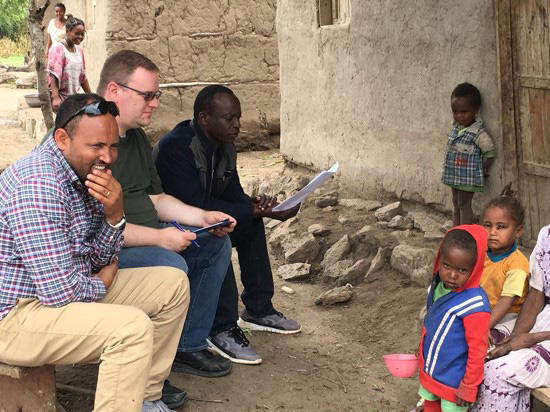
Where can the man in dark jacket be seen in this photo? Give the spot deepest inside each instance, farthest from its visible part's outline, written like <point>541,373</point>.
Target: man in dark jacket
<point>197,163</point>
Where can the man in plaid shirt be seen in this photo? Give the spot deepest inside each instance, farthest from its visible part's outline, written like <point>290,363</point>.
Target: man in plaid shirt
<point>62,298</point>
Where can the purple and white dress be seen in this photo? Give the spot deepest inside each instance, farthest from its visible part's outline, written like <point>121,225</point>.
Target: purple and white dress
<point>508,380</point>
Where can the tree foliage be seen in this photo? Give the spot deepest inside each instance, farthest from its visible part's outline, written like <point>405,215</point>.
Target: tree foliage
<point>13,18</point>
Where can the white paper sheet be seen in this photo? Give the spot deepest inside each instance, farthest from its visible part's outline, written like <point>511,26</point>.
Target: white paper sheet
<point>307,189</point>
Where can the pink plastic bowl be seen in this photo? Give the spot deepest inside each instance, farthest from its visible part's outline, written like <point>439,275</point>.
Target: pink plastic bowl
<point>401,365</point>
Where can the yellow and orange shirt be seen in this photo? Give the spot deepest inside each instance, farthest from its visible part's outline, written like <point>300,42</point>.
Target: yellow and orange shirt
<point>506,275</point>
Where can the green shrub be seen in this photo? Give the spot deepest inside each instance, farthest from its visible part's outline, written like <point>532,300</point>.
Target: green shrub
<point>13,18</point>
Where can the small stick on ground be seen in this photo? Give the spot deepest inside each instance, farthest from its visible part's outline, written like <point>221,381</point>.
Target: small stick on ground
<point>342,383</point>
<point>206,400</point>
<point>72,388</point>
<point>59,407</point>
<point>340,378</point>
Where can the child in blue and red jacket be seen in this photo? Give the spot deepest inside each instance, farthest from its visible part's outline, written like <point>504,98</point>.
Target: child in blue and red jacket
<point>454,336</point>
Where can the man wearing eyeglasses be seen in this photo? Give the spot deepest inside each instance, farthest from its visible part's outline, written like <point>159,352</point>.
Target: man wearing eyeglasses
<point>61,229</point>
<point>131,81</point>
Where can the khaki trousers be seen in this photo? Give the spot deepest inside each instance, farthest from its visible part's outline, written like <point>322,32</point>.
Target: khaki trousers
<point>133,333</point>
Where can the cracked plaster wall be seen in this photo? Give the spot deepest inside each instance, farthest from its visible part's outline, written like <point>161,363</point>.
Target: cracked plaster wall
<point>374,94</point>
<point>226,41</point>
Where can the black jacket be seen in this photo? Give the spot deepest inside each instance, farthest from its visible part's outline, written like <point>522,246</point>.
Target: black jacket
<point>201,172</point>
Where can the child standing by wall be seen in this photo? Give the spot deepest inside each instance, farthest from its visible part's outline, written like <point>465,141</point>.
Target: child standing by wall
<point>505,275</point>
<point>454,336</point>
<point>470,151</point>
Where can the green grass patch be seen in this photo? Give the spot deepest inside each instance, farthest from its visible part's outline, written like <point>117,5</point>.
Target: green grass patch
<point>17,60</point>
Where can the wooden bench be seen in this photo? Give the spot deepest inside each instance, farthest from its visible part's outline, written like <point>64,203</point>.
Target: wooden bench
<point>27,389</point>
<point>540,399</point>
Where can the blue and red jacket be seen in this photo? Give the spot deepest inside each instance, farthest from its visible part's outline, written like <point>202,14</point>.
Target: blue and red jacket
<point>454,336</point>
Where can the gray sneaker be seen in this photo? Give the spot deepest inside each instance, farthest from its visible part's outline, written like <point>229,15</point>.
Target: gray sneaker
<point>155,406</point>
<point>276,322</point>
<point>233,345</point>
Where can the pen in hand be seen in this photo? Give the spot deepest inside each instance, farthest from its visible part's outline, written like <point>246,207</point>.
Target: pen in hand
<point>177,226</point>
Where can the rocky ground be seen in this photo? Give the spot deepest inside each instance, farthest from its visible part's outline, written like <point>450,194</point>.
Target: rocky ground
<point>378,253</point>
<point>381,258</point>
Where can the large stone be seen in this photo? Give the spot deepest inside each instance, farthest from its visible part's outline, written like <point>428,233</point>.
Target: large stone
<point>401,222</point>
<point>337,251</point>
<point>7,77</point>
<point>360,204</point>
<point>280,234</point>
<point>318,229</point>
<point>422,276</point>
<point>416,263</point>
<point>382,256</point>
<point>337,295</point>
<point>327,200</point>
<point>446,226</point>
<point>294,271</point>
<point>272,223</point>
<point>333,272</point>
<point>386,213</point>
<point>355,274</point>
<point>343,220</point>
<point>304,249</point>
<point>425,221</point>
<point>364,233</point>
<point>364,241</point>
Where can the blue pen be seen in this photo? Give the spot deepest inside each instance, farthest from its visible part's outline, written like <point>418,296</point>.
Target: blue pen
<point>177,226</point>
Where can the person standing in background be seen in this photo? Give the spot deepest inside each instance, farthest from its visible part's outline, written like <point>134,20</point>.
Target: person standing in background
<point>66,64</point>
<point>56,27</point>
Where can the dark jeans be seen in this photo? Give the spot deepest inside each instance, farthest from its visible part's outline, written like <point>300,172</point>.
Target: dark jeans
<point>205,267</point>
<point>256,277</point>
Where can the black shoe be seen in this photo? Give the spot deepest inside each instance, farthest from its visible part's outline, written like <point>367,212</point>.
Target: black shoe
<point>173,397</point>
<point>201,363</point>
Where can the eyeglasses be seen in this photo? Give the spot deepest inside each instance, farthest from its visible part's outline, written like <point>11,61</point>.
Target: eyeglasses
<point>95,109</point>
<point>147,96</point>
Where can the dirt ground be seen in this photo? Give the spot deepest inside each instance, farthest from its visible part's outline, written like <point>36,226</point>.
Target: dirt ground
<point>334,364</point>
<point>14,142</point>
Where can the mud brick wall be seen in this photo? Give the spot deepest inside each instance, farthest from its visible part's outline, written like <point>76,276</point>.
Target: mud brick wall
<point>193,41</point>
<point>232,42</point>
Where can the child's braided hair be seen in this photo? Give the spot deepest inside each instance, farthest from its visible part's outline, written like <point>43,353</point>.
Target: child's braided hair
<point>508,201</point>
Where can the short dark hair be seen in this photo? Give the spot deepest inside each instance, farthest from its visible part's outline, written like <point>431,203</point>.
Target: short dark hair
<point>72,22</point>
<point>511,204</point>
<point>120,66</point>
<point>203,101</point>
<point>460,239</point>
<point>61,6</point>
<point>468,90</point>
<point>70,106</point>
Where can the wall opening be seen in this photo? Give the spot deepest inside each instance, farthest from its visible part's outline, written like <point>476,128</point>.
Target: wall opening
<point>333,12</point>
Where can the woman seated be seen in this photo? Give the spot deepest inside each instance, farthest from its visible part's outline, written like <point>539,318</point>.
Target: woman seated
<point>521,361</point>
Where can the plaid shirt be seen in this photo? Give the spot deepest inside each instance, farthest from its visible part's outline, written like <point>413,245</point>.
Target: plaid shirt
<point>463,164</point>
<point>53,235</point>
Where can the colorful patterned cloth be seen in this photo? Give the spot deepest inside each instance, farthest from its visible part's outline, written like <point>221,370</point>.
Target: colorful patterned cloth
<point>53,234</point>
<point>68,68</point>
<point>508,380</point>
<point>463,164</point>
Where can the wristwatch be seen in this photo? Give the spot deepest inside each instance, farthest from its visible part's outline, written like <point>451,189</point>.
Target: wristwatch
<point>120,223</point>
